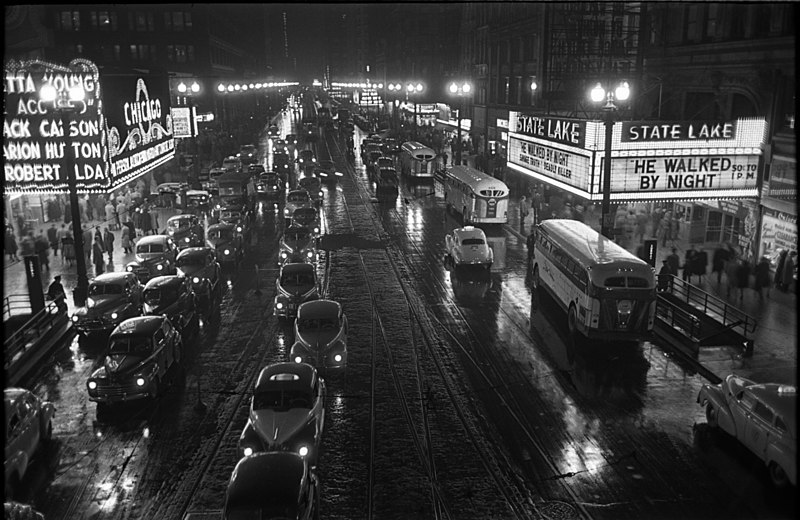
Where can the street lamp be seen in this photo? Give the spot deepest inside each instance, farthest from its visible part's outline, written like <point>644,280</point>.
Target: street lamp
<point>394,87</point>
<point>63,102</point>
<point>460,90</point>
<point>413,89</point>
<point>620,93</point>
<point>189,93</point>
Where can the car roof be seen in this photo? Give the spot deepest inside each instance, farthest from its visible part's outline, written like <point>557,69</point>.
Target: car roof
<point>194,251</point>
<point>470,232</point>
<point>160,281</point>
<point>117,277</point>
<point>152,239</point>
<point>220,225</point>
<point>305,380</point>
<point>779,398</point>
<point>186,216</point>
<point>297,267</point>
<point>140,326</point>
<point>319,309</point>
<point>297,191</point>
<point>265,477</point>
<point>197,192</point>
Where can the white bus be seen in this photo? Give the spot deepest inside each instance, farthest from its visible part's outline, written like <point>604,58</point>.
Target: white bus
<point>416,160</point>
<point>478,197</point>
<point>607,292</point>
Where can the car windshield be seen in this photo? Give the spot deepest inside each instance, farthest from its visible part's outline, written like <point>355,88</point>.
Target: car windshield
<point>138,346</point>
<point>294,236</point>
<point>191,260</point>
<point>224,234</point>
<point>104,288</point>
<point>309,182</point>
<point>297,279</point>
<point>178,224</point>
<point>383,163</point>
<point>160,295</point>
<point>317,324</point>
<point>298,197</point>
<point>150,248</point>
<point>472,241</point>
<point>282,400</point>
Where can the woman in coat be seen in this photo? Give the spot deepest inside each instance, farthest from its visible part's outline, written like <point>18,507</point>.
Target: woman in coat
<point>743,277</point>
<point>126,239</point>
<point>779,269</point>
<point>10,245</point>
<point>787,276</point>
<point>762,277</point>
<point>97,256</point>
<point>68,248</point>
<point>718,262</point>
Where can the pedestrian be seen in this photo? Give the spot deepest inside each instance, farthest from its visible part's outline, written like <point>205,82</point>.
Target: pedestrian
<point>57,294</point>
<point>97,256</point>
<point>144,222</point>
<point>731,268</point>
<point>126,238</point>
<point>109,210</point>
<point>779,269</point>
<point>523,212</point>
<point>762,277</point>
<point>108,244</point>
<point>88,240</point>
<point>664,276</point>
<point>52,237</point>
<point>41,246</point>
<point>688,262</point>
<point>788,272</point>
<point>68,248</point>
<point>10,244</point>
<point>154,222</point>
<point>641,226</point>
<point>60,234</point>
<point>21,224</point>
<point>721,256</point>
<point>674,262</point>
<point>743,277</point>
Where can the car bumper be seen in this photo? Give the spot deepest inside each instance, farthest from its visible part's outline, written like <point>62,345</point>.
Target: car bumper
<point>110,394</point>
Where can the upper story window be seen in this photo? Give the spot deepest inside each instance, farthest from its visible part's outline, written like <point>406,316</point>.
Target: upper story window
<point>694,23</point>
<point>141,22</point>
<point>103,20</point>
<point>69,21</point>
<point>178,21</point>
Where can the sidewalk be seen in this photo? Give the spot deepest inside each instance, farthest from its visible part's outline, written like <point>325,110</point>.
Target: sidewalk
<point>775,352</point>
<point>15,282</point>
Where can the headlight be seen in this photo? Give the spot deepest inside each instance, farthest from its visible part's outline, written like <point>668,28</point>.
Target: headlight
<point>284,254</point>
<point>320,194</point>
<point>140,381</point>
<point>114,315</point>
<point>285,211</point>
<point>160,267</point>
<point>196,280</point>
<point>298,359</point>
<point>92,385</point>
<point>316,230</point>
<point>310,254</point>
<point>129,268</point>
<point>337,358</point>
<point>186,240</point>
<point>302,451</point>
<point>227,252</point>
<point>239,229</point>
<point>218,206</point>
<point>279,305</point>
<point>247,451</point>
<point>74,318</point>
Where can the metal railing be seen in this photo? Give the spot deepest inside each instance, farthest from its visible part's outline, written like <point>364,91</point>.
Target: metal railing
<point>37,329</point>
<point>15,304</point>
<point>712,306</point>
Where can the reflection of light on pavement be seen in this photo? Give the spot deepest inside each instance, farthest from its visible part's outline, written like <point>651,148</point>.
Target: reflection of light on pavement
<point>281,346</point>
<point>146,433</point>
<point>414,219</point>
<point>582,454</point>
<point>128,483</point>
<point>337,403</point>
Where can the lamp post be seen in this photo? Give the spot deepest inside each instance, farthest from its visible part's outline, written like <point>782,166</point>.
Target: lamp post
<point>189,93</point>
<point>63,103</point>
<point>412,89</point>
<point>461,90</point>
<point>395,87</point>
<point>621,93</point>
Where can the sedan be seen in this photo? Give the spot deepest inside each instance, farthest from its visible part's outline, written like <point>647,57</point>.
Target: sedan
<point>320,335</point>
<point>29,425</point>
<point>287,412</point>
<point>296,284</point>
<point>468,246</point>
<point>272,485</point>
<point>296,199</point>
<point>763,417</point>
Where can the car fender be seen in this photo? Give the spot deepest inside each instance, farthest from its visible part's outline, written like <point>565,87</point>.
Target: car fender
<point>17,463</point>
<point>715,396</point>
<point>300,348</point>
<point>783,457</point>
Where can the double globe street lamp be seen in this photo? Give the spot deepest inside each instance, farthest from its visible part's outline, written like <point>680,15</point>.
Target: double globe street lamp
<point>413,90</point>
<point>461,90</point>
<point>599,94</point>
<point>188,93</point>
<point>64,103</point>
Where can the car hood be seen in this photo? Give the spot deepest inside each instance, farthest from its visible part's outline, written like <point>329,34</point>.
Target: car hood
<point>297,245</point>
<point>149,258</point>
<point>103,304</point>
<point>322,338</point>
<point>121,364</point>
<point>168,308</point>
<point>276,428</point>
<point>190,269</point>
<point>297,290</point>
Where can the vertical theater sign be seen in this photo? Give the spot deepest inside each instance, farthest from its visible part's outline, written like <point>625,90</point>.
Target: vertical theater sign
<point>119,131</point>
<point>649,160</point>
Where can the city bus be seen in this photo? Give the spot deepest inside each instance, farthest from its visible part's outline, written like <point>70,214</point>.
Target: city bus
<point>416,160</point>
<point>607,292</point>
<point>478,197</point>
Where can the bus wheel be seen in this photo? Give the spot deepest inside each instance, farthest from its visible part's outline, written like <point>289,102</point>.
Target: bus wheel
<point>572,320</point>
<point>535,278</point>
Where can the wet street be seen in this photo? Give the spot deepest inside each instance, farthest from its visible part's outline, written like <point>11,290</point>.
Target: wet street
<point>464,396</point>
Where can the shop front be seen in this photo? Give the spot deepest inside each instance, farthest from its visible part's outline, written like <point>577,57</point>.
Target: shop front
<point>700,178</point>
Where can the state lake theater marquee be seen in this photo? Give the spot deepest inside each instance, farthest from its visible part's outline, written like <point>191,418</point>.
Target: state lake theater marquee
<point>650,160</point>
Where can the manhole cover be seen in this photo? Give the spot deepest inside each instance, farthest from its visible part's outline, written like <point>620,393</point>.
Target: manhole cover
<point>556,510</point>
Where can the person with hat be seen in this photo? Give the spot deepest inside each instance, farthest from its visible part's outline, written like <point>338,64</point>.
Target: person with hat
<point>664,277</point>
<point>56,293</point>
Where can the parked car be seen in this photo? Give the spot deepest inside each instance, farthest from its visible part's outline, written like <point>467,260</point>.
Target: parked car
<point>155,256</point>
<point>296,283</point>
<point>186,230</point>
<point>140,354</point>
<point>287,412</point>
<point>228,244</point>
<point>291,139</point>
<point>111,299</point>
<point>297,245</point>
<point>29,426</point>
<point>320,333</point>
<point>306,157</point>
<point>312,185</point>
<point>172,296</point>
<point>309,219</point>
<point>763,417</point>
<point>200,266</point>
<point>296,199</point>
<point>468,246</point>
<point>248,154</point>
<point>255,170</point>
<point>279,485</point>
